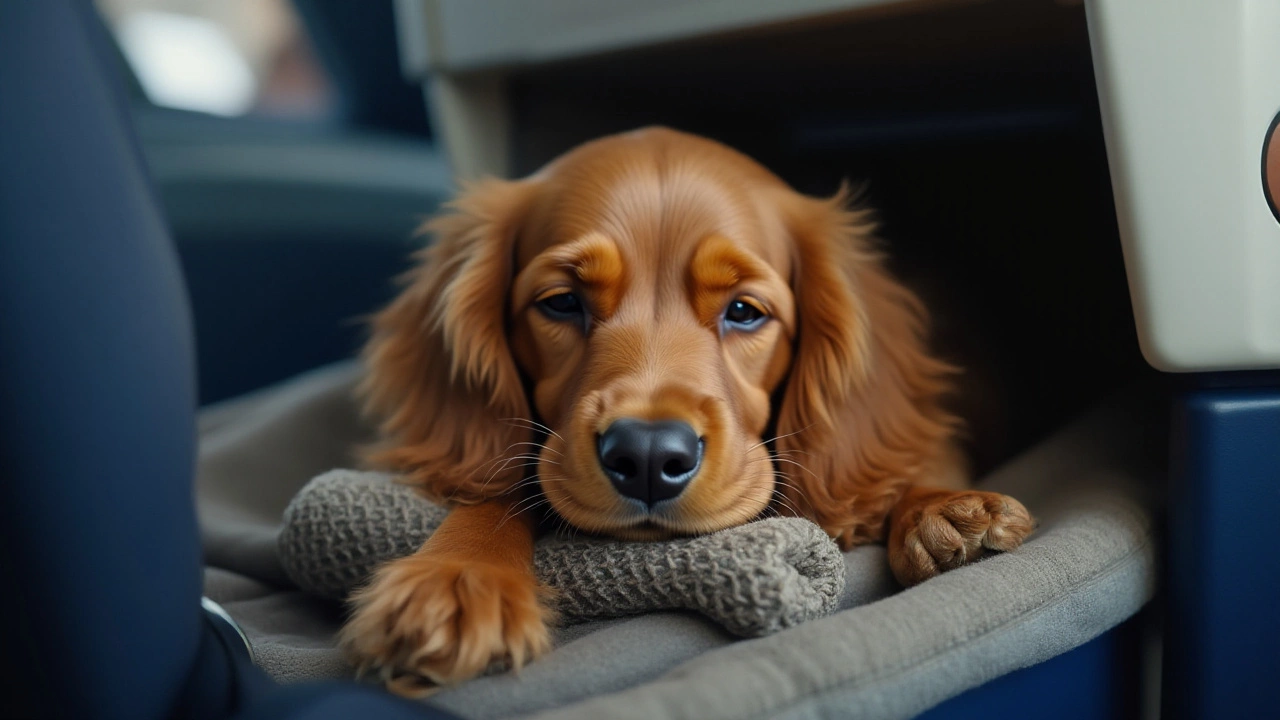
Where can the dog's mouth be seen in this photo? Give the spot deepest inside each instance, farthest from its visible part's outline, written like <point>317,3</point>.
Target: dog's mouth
<point>647,530</point>
<point>657,523</point>
<point>632,523</point>
<point>630,520</point>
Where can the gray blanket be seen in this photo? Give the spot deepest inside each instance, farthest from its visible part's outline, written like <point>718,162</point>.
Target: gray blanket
<point>887,653</point>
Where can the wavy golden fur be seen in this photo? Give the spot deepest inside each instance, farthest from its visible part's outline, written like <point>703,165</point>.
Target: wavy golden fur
<point>830,406</point>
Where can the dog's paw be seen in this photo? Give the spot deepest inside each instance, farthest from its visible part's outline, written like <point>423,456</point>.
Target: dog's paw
<point>947,531</point>
<point>425,622</point>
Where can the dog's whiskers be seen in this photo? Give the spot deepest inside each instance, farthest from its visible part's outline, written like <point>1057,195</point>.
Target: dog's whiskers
<point>774,512</point>
<point>789,485</point>
<point>544,446</point>
<point>532,425</point>
<point>776,438</point>
<point>772,458</point>
<point>535,480</point>
<point>780,483</point>
<point>506,464</point>
<point>799,491</point>
<point>523,506</point>
<point>782,500</point>
<point>502,456</point>
<point>802,467</point>
<point>565,529</point>
<point>522,482</point>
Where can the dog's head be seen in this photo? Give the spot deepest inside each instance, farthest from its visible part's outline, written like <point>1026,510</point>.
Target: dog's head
<point>661,336</point>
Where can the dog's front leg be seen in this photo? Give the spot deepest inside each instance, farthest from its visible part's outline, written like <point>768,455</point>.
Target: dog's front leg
<point>466,599</point>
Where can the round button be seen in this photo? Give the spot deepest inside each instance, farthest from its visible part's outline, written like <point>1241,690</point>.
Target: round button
<point>1271,167</point>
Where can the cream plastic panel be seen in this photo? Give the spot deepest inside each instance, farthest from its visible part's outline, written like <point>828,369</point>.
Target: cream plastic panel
<point>1189,89</point>
<point>472,35</point>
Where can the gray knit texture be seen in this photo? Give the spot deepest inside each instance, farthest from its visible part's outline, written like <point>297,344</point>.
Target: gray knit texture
<point>754,579</point>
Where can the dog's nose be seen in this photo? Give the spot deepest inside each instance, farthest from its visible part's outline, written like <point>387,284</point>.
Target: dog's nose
<point>650,461</point>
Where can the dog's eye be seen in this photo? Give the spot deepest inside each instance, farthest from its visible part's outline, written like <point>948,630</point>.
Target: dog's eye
<point>743,314</point>
<point>560,306</point>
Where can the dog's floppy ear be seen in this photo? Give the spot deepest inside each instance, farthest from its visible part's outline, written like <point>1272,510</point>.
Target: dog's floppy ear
<point>441,378</point>
<point>862,410</point>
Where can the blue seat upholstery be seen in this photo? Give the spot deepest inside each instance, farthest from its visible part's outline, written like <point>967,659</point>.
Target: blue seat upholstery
<point>1222,579</point>
<point>102,562</point>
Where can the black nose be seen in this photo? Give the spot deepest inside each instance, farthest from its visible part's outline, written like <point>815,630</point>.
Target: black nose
<point>650,461</point>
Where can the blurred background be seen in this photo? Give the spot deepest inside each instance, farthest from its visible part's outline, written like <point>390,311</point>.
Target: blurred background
<point>228,58</point>
<point>294,161</point>
<point>295,153</point>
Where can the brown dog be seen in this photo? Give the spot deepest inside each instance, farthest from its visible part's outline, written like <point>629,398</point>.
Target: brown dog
<point>699,343</point>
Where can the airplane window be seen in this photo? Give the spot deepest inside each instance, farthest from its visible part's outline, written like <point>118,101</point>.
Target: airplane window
<point>224,57</point>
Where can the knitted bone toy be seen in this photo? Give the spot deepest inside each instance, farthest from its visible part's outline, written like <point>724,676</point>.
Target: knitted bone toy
<point>754,579</point>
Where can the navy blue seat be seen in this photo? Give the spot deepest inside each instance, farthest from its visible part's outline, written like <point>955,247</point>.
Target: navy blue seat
<point>100,615</point>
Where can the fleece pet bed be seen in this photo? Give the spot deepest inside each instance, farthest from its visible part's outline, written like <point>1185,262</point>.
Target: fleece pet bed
<point>885,652</point>
<point>753,579</point>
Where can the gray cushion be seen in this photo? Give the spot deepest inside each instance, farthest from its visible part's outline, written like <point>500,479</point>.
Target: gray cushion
<point>887,653</point>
